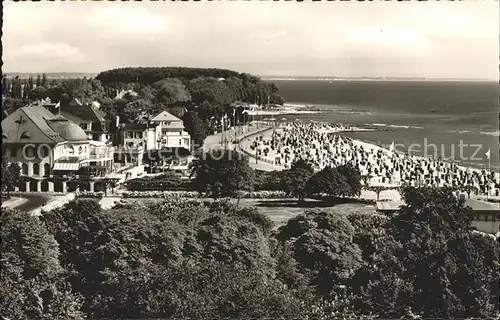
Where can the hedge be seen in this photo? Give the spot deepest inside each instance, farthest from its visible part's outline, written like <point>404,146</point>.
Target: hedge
<point>194,194</point>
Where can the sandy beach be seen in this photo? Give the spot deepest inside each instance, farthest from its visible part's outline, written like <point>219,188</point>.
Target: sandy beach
<point>267,162</point>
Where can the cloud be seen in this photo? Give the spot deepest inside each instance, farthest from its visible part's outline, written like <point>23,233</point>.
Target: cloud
<point>339,38</point>
<point>386,36</point>
<point>126,20</point>
<point>54,50</point>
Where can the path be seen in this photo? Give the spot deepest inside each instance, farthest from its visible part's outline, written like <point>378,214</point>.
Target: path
<point>33,201</point>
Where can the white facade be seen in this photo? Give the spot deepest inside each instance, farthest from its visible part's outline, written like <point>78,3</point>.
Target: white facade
<point>172,133</point>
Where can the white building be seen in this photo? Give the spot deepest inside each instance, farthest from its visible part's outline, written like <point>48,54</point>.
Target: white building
<point>51,149</point>
<point>172,133</point>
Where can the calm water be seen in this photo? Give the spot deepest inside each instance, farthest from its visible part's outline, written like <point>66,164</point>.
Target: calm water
<point>433,116</point>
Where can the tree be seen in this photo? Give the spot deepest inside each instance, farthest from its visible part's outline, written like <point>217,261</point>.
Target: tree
<point>322,244</point>
<point>30,82</point>
<point>11,173</point>
<point>109,183</point>
<point>433,262</point>
<point>329,181</point>
<point>469,189</point>
<point>45,82</point>
<point>33,283</point>
<point>171,91</point>
<point>378,190</point>
<point>223,173</point>
<point>38,80</point>
<point>39,93</point>
<point>295,180</point>
<point>5,86</point>
<point>195,127</point>
<point>352,176</point>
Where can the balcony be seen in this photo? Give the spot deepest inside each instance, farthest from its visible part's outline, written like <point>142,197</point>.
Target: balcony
<point>100,155</point>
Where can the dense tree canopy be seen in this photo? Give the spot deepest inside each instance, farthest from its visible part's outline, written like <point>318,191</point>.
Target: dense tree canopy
<point>193,259</point>
<point>195,127</point>
<point>223,173</point>
<point>433,263</point>
<point>32,282</point>
<point>335,182</point>
<point>295,179</point>
<point>10,175</point>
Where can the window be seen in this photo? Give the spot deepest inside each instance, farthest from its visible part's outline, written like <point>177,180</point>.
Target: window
<point>138,135</point>
<point>24,168</point>
<point>486,217</point>
<point>46,169</point>
<point>36,169</point>
<point>129,135</point>
<point>13,152</point>
<point>180,141</point>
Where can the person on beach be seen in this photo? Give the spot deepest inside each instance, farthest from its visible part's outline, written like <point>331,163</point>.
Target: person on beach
<point>317,143</point>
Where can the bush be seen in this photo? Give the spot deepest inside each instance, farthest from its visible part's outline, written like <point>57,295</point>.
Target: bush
<point>194,194</point>
<point>89,194</point>
<point>167,181</point>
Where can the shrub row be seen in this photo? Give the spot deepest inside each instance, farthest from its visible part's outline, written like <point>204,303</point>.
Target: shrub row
<point>167,181</point>
<point>194,194</point>
<point>89,194</point>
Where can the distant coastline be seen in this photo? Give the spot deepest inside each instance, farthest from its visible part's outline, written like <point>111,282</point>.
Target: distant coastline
<point>279,78</point>
<point>72,75</point>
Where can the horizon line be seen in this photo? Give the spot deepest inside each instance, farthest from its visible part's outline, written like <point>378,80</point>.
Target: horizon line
<point>284,77</point>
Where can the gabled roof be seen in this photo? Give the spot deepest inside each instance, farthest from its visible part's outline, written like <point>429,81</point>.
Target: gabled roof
<point>478,205</point>
<point>86,112</point>
<point>73,118</point>
<point>165,116</point>
<point>29,125</point>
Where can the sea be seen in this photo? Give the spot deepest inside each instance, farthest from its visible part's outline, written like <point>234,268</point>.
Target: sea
<point>453,120</point>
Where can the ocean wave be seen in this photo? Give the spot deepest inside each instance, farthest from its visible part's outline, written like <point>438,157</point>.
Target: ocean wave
<point>494,133</point>
<point>379,124</point>
<point>459,131</point>
<point>296,105</point>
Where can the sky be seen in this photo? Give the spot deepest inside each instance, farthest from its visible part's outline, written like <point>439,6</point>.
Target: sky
<point>326,39</point>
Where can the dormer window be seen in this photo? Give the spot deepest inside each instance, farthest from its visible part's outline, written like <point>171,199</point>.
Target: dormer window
<point>25,135</point>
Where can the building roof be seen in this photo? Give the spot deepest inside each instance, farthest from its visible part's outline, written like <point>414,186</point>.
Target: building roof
<point>166,116</point>
<point>29,125</point>
<point>35,124</point>
<point>73,118</point>
<point>478,205</point>
<point>84,111</point>
<point>69,130</point>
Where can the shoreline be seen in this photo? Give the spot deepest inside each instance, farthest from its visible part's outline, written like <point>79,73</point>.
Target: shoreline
<point>367,145</point>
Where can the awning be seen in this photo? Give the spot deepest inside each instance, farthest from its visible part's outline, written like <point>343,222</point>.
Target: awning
<point>66,166</point>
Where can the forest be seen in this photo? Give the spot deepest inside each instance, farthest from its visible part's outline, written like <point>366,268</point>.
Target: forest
<point>138,94</point>
<point>178,259</point>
